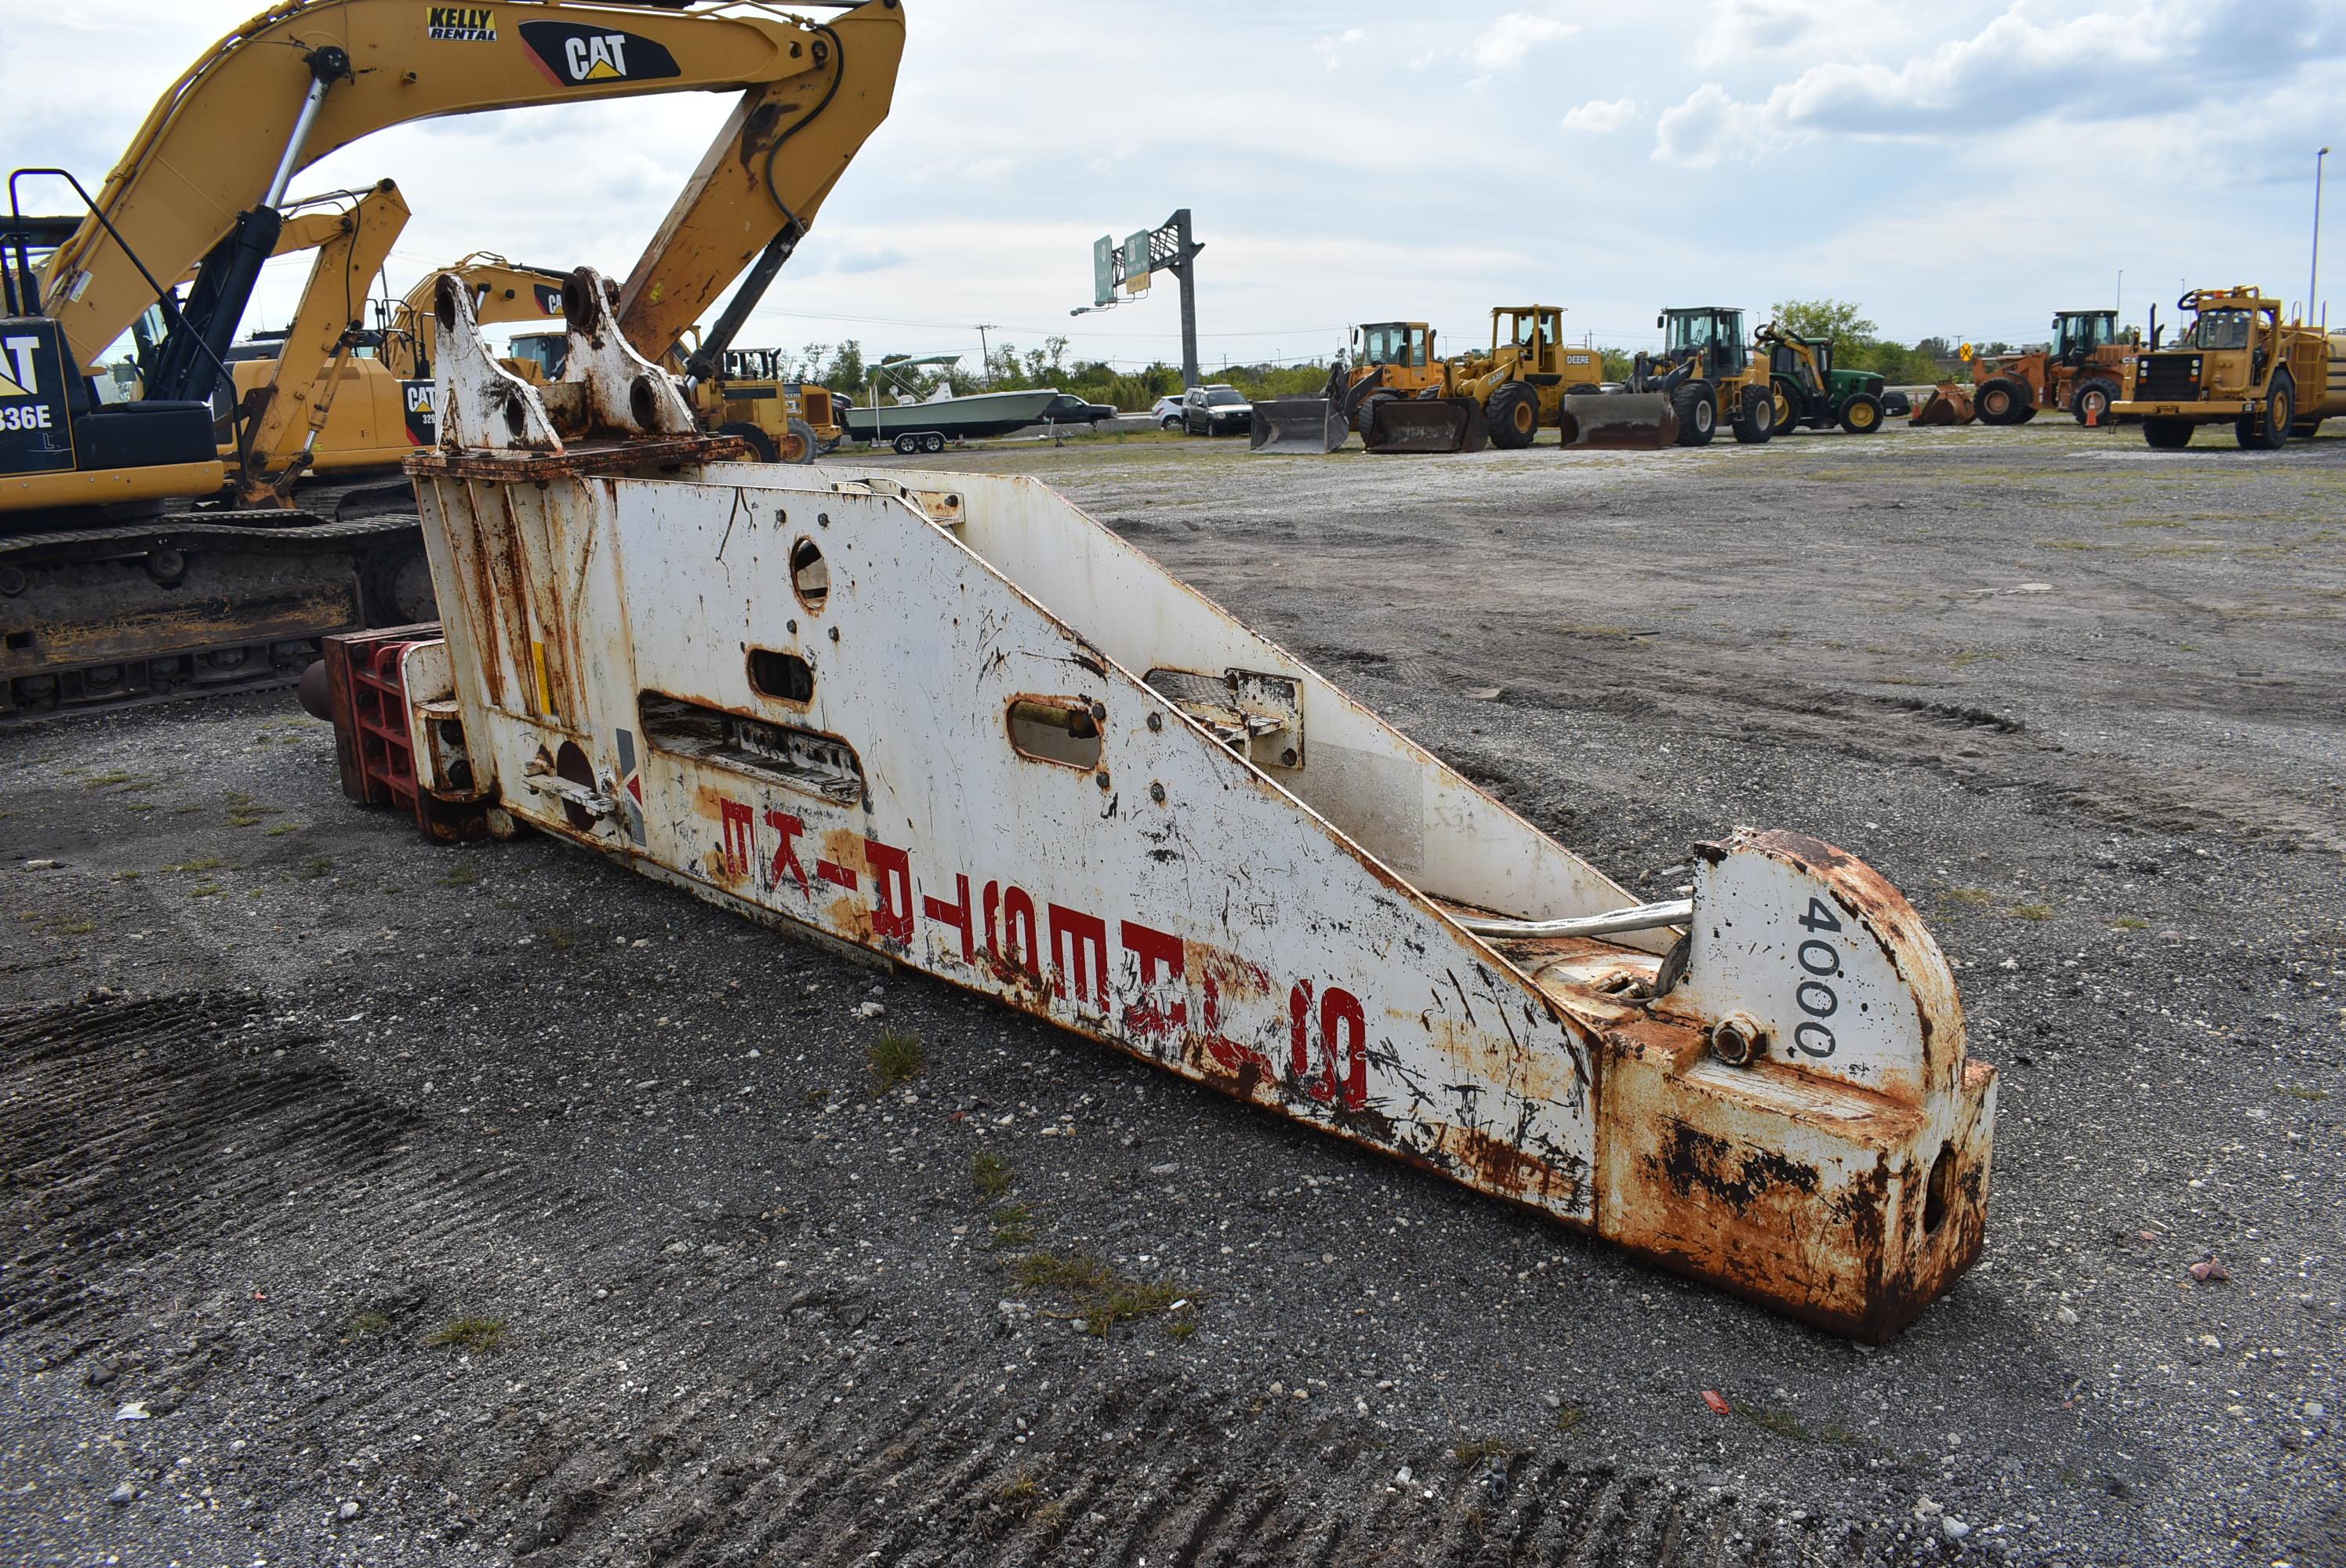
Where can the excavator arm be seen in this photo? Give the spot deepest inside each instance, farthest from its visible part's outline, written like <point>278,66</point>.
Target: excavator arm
<point>201,179</point>
<point>284,415</point>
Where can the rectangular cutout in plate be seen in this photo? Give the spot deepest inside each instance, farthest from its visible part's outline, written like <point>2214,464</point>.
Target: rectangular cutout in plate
<point>783,754</point>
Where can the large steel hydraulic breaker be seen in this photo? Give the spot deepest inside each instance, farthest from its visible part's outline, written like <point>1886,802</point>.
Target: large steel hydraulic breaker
<point>949,719</point>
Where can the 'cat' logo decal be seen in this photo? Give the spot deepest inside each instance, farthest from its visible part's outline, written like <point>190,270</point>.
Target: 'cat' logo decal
<point>573,56</point>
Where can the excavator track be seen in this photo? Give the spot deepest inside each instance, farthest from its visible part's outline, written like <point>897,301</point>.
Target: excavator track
<point>191,603</point>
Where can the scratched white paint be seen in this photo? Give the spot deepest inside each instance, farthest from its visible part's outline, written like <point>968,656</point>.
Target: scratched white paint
<point>1277,930</point>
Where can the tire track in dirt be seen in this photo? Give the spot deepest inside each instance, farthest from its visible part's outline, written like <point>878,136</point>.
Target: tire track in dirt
<point>2176,800</point>
<point>734,1436</point>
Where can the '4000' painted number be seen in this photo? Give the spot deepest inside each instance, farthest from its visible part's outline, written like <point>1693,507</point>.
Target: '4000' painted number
<point>1820,961</point>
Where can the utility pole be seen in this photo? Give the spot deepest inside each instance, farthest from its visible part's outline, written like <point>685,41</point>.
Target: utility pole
<point>984,355</point>
<point>2313,273</point>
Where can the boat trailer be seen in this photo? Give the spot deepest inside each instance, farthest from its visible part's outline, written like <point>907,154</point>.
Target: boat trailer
<point>949,720</point>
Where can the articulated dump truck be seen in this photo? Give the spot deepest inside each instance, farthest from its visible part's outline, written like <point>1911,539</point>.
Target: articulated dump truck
<point>949,720</point>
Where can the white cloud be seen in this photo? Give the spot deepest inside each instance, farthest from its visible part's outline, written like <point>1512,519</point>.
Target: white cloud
<point>1507,41</point>
<point>2158,57</point>
<point>1709,126</point>
<point>1332,46</point>
<point>1599,116</point>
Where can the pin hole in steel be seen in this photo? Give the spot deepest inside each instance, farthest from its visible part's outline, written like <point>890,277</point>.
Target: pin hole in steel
<point>516,416</point>
<point>444,302</point>
<point>1940,1191</point>
<point>643,402</point>
<point>783,676</point>
<point>1737,1041</point>
<point>1156,793</point>
<point>1055,730</point>
<point>810,575</point>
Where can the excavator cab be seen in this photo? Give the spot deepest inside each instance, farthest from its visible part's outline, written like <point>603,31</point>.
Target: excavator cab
<point>62,445</point>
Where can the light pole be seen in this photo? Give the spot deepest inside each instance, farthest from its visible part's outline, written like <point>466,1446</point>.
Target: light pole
<point>2313,273</point>
<point>985,358</point>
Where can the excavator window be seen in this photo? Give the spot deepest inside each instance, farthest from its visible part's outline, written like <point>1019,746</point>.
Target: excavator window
<point>547,350</point>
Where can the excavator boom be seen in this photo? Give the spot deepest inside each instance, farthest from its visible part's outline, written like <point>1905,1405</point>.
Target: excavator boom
<point>308,76</point>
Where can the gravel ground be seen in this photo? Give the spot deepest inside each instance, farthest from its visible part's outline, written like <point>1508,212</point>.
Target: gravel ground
<point>376,1203</point>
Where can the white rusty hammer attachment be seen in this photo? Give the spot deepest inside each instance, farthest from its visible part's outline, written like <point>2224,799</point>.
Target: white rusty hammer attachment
<point>948,719</point>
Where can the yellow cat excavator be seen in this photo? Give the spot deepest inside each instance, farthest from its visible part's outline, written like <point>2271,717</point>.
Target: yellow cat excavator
<point>124,572</point>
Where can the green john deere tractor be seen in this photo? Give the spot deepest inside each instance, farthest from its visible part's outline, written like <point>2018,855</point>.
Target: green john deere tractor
<point>1810,392</point>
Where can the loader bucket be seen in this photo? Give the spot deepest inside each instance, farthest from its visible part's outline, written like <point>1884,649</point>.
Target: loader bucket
<point>1429,424</point>
<point>1294,425</point>
<point>1947,404</point>
<point>1622,421</point>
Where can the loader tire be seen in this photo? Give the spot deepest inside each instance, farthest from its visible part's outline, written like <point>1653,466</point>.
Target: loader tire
<point>2002,402</point>
<point>1513,413</point>
<point>2269,431</point>
<point>2091,403</point>
<point>1861,414</point>
<point>2306,429</point>
<point>762,445</point>
<point>797,444</point>
<point>2167,434</point>
<point>1788,412</point>
<point>1365,416</point>
<point>1757,422</point>
<point>1697,413</point>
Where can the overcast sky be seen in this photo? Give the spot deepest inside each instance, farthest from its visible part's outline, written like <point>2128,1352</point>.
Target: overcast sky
<point>1959,167</point>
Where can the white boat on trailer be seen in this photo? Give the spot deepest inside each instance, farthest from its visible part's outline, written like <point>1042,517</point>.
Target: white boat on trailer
<point>926,426</point>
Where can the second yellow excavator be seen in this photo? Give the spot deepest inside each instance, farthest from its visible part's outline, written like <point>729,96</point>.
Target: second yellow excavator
<point>127,568</point>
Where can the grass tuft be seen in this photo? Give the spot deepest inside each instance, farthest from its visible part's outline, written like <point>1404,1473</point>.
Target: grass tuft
<point>2033,911</point>
<point>480,1335</point>
<point>989,1175</point>
<point>1570,1417</point>
<point>2304,1092</point>
<point>1481,1451</point>
<point>460,875</point>
<point>367,1323</point>
<point>1013,1225</point>
<point>898,1058</point>
<point>1101,1297</point>
<point>2130,923</point>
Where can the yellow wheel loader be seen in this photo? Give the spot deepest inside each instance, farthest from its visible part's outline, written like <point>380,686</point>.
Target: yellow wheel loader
<point>1503,397</point>
<point>1390,360</point>
<point>125,571</point>
<point>1523,381</point>
<point>1704,373</point>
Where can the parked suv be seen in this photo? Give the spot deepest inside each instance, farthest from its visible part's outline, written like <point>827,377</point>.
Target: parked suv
<point>1217,409</point>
